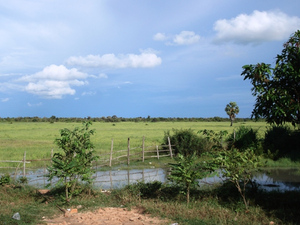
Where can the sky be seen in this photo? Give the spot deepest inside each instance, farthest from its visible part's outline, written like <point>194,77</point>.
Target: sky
<point>136,58</point>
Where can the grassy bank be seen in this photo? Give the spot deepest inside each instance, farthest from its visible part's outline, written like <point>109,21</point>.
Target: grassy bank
<point>214,205</point>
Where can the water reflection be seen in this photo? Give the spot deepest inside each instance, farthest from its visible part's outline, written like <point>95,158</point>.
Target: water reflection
<point>273,179</point>
<point>279,179</point>
<point>120,178</point>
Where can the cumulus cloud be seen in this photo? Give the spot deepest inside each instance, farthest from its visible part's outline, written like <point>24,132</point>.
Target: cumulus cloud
<point>186,38</point>
<point>257,27</point>
<point>54,81</point>
<point>183,38</point>
<point>144,60</point>
<point>160,37</point>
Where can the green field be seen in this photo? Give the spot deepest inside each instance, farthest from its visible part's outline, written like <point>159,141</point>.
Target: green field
<point>37,138</point>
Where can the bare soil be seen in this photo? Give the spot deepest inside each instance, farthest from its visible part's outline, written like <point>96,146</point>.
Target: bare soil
<point>111,216</point>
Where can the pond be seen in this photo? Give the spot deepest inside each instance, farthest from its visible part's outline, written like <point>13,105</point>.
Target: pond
<point>271,179</point>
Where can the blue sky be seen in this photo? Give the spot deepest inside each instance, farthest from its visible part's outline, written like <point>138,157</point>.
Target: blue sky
<point>134,58</point>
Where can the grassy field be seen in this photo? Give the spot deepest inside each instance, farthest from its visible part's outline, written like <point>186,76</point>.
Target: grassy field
<point>214,205</point>
<point>37,139</point>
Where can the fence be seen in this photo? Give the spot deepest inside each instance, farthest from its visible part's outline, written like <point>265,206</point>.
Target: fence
<point>156,151</point>
<point>106,179</point>
<point>112,158</point>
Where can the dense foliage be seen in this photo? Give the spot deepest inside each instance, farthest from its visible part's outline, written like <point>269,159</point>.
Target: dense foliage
<point>277,90</point>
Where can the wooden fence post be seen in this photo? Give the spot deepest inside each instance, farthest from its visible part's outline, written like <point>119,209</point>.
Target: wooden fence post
<point>128,151</point>
<point>51,163</point>
<point>111,151</point>
<point>111,180</point>
<point>128,177</point>
<point>170,147</point>
<point>143,148</point>
<point>234,135</point>
<point>24,164</point>
<point>157,152</point>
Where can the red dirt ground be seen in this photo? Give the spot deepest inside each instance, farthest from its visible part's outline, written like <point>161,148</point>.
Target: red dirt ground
<point>111,216</point>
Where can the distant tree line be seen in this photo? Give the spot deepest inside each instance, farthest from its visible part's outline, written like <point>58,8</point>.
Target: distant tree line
<point>115,119</point>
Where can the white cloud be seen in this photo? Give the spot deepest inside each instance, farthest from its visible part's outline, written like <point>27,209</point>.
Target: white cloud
<point>160,37</point>
<point>103,75</point>
<point>257,27</point>
<point>100,76</point>
<point>143,60</point>
<point>54,72</point>
<point>4,99</point>
<point>183,38</point>
<point>54,81</point>
<point>89,93</point>
<point>186,38</point>
<point>32,105</point>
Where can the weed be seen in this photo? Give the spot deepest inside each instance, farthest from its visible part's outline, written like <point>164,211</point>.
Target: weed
<point>5,179</point>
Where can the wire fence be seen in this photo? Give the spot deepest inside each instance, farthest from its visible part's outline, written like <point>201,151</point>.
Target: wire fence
<point>36,175</point>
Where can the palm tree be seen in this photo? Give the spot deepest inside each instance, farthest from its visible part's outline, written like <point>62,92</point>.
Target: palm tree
<point>232,110</point>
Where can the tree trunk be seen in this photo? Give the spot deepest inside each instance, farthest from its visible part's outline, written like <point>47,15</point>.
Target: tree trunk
<point>188,194</point>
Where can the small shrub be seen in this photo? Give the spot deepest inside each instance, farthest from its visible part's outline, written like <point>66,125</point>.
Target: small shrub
<point>23,180</point>
<point>238,167</point>
<point>185,142</point>
<point>128,195</point>
<point>185,172</point>
<point>214,140</point>
<point>244,138</point>
<point>75,163</point>
<point>278,141</point>
<point>5,179</point>
<point>149,190</point>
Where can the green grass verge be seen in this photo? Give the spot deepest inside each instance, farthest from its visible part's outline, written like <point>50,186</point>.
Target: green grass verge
<point>218,205</point>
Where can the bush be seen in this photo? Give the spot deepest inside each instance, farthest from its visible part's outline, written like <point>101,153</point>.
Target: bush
<point>5,179</point>
<point>149,190</point>
<point>281,141</point>
<point>244,138</point>
<point>185,142</point>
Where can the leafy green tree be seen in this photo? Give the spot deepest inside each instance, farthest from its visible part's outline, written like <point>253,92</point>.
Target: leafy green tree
<point>277,90</point>
<point>186,172</point>
<point>232,110</point>
<point>75,163</point>
<point>238,167</point>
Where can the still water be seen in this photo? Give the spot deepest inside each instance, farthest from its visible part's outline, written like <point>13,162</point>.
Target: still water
<point>272,179</point>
